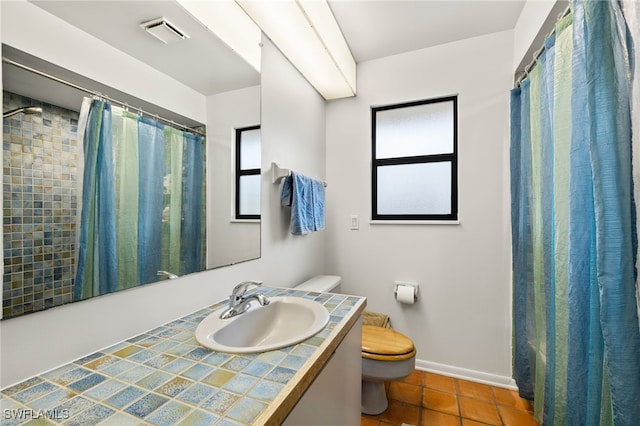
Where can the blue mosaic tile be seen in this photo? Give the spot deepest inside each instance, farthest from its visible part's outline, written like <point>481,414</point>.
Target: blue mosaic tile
<point>51,400</point>
<point>118,368</point>
<point>265,391</point>
<point>91,416</point>
<point>273,357</point>
<point>102,362</point>
<point>293,361</point>
<point>198,354</point>
<point>142,356</point>
<point>180,349</point>
<point>23,385</point>
<point>240,384</point>
<point>237,363</point>
<point>197,371</point>
<point>169,414</point>
<point>196,393</point>
<point>174,386</point>
<point>121,419</point>
<point>70,376</point>
<point>87,382</point>
<point>89,358</point>
<point>160,361</point>
<point>246,410</point>
<point>281,374</point>
<point>220,402</point>
<point>74,406</point>
<point>149,341</point>
<point>164,345</point>
<point>198,417</point>
<point>303,351</point>
<point>217,358</point>
<point>178,366</point>
<point>105,390</point>
<point>258,368</point>
<point>34,392</point>
<point>183,336</point>
<point>135,374</point>
<point>154,380</point>
<point>146,405</point>
<point>125,397</point>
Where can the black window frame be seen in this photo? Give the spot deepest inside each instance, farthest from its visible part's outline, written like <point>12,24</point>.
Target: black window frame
<point>242,172</point>
<point>420,159</point>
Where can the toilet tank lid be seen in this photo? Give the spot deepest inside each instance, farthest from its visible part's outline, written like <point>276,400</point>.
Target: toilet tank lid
<point>325,283</point>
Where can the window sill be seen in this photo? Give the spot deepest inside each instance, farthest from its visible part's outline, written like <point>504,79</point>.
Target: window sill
<point>245,221</point>
<point>414,222</point>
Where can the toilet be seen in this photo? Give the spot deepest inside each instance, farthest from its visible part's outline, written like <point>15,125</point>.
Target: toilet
<point>386,354</point>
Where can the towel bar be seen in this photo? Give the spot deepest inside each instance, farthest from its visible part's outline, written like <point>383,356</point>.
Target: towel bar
<point>278,173</point>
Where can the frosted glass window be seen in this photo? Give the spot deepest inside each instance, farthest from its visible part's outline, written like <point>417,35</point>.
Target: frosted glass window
<point>250,195</point>
<point>415,189</point>
<point>415,160</point>
<point>247,179</point>
<point>417,130</point>
<point>250,149</point>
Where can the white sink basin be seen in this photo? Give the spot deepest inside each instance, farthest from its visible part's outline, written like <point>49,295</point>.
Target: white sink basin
<point>283,322</point>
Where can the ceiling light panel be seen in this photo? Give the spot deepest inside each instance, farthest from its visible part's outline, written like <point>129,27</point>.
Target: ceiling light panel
<point>230,24</point>
<point>307,34</point>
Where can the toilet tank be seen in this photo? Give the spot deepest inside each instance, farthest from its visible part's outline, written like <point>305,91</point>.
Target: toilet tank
<point>322,283</point>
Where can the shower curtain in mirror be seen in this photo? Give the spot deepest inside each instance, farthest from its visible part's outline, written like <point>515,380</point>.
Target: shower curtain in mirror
<point>142,201</point>
<point>576,328</point>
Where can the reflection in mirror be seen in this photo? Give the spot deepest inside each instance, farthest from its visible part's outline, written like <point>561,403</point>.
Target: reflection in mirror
<point>42,231</point>
<point>94,201</point>
<point>233,136</point>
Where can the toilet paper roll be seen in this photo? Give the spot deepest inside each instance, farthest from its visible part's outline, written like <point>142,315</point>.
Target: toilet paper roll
<point>406,294</point>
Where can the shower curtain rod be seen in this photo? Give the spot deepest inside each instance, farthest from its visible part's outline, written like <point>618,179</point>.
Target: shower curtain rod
<point>125,105</point>
<point>525,73</point>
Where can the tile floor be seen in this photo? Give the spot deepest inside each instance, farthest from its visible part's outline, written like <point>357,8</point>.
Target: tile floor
<point>427,399</point>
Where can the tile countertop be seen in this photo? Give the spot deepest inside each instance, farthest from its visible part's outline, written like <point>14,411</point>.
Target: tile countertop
<point>164,377</point>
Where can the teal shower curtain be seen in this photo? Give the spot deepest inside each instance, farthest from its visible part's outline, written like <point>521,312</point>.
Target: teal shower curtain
<point>576,328</point>
<point>142,202</point>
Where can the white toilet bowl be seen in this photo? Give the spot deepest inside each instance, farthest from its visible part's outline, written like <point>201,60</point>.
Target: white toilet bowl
<point>386,353</point>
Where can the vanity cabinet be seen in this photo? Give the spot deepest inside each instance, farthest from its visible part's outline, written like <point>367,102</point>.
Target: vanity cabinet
<point>333,398</point>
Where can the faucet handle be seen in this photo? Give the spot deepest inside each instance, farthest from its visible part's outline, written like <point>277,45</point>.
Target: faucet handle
<point>241,288</point>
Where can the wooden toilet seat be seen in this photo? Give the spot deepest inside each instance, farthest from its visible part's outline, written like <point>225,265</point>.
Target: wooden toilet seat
<point>385,344</point>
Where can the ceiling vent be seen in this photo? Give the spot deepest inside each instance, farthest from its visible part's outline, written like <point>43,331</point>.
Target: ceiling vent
<point>164,30</point>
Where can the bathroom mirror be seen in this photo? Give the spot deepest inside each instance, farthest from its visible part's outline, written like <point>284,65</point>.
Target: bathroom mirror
<point>50,242</point>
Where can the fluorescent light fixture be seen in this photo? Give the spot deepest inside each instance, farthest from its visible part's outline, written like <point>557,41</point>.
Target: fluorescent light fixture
<point>164,30</point>
<point>230,24</point>
<point>307,33</point>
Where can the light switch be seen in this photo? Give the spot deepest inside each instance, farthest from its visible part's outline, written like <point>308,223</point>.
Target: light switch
<point>355,221</point>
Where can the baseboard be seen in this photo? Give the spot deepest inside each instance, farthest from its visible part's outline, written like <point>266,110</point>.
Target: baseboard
<point>466,374</point>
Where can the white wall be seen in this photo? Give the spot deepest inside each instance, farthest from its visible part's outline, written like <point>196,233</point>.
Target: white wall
<point>536,20</point>
<point>461,324</point>
<point>232,241</point>
<point>37,342</point>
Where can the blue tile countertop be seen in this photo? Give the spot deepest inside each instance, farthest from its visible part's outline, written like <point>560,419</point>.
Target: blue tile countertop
<point>164,377</point>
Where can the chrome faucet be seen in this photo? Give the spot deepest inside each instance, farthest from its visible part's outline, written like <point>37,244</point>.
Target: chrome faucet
<point>238,303</point>
<point>167,275</point>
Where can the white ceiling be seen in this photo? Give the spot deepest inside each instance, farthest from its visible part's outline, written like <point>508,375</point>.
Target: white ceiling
<point>378,28</point>
<point>372,28</point>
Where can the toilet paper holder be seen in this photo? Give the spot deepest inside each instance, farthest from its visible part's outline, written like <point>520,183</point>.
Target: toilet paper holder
<point>415,286</point>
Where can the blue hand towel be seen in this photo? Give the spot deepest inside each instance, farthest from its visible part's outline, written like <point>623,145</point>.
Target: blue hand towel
<point>307,203</point>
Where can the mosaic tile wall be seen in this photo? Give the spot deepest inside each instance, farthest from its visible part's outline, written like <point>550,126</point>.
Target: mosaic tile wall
<point>39,206</point>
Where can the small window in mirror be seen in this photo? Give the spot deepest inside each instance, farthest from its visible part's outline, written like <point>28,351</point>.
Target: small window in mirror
<point>247,176</point>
